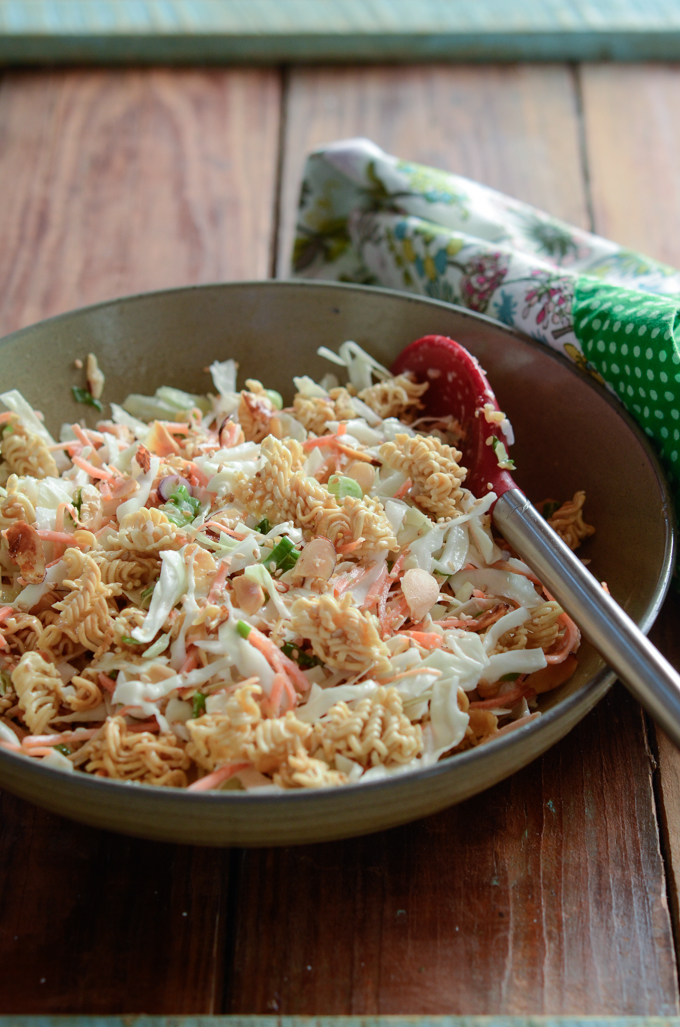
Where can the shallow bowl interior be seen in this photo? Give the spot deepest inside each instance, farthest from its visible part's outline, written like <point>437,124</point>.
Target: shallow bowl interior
<point>570,435</point>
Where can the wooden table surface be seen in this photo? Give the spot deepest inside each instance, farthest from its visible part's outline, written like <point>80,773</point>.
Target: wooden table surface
<point>554,892</point>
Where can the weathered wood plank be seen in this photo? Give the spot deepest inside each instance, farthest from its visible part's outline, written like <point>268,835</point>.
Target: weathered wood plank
<point>113,183</point>
<point>96,923</point>
<point>546,894</point>
<point>126,181</point>
<point>301,30</point>
<point>632,132</point>
<point>514,128</point>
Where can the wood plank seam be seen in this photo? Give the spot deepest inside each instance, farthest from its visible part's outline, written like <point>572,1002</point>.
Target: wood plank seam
<point>284,87</point>
<point>583,144</point>
<point>664,813</point>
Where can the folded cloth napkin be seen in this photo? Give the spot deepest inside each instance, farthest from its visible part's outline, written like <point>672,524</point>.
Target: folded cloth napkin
<point>367,217</point>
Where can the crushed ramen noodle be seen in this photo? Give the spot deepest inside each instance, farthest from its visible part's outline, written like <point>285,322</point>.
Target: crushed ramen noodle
<point>217,591</point>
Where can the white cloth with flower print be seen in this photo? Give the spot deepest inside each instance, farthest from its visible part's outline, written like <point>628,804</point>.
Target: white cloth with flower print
<point>365,216</point>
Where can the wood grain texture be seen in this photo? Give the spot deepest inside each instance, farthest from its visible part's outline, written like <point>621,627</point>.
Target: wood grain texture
<point>119,182</point>
<point>514,128</point>
<point>92,922</point>
<point>632,131</point>
<point>113,183</point>
<point>544,895</point>
<point>665,635</point>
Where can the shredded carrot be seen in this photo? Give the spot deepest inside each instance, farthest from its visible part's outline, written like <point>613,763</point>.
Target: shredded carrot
<point>326,440</point>
<point>506,700</point>
<point>280,686</point>
<point>217,777</point>
<point>349,547</point>
<point>570,640</point>
<point>5,416</point>
<point>346,581</point>
<point>216,526</point>
<point>375,591</point>
<point>65,736</point>
<point>425,639</point>
<point>218,581</point>
<point>106,682</point>
<point>60,536</point>
<point>198,474</point>
<point>356,454</point>
<point>404,489</point>
<point>94,472</point>
<point>146,725</point>
<point>277,660</point>
<point>413,672</point>
<point>5,611</point>
<point>190,662</point>
<point>10,745</point>
<point>507,728</point>
<point>176,427</point>
<point>82,437</point>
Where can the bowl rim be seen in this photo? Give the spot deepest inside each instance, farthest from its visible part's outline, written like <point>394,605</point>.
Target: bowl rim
<point>586,697</point>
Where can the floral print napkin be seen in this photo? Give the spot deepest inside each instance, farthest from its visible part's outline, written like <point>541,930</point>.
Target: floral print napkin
<point>368,217</point>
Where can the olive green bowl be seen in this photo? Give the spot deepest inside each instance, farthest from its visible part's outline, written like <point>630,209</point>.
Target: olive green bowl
<point>570,435</point>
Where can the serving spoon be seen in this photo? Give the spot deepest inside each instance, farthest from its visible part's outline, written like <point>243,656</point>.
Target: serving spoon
<point>459,387</point>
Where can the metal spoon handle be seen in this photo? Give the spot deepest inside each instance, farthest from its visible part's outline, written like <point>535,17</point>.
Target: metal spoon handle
<point>643,670</point>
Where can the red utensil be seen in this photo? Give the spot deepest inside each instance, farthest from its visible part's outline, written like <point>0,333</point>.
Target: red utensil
<point>459,387</point>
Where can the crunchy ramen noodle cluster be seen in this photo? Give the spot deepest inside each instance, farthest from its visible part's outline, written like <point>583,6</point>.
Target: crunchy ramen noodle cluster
<point>218,589</point>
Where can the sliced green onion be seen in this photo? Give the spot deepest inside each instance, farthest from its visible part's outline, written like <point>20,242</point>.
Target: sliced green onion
<point>303,660</point>
<point>5,682</point>
<point>549,509</point>
<point>181,507</point>
<point>77,500</point>
<point>130,641</point>
<point>63,749</point>
<point>284,555</point>
<point>501,452</point>
<point>341,486</point>
<point>84,396</point>
<point>508,677</point>
<point>264,527</point>
<point>199,703</point>
<point>148,591</point>
<point>275,398</point>
<point>243,628</point>
<point>158,647</point>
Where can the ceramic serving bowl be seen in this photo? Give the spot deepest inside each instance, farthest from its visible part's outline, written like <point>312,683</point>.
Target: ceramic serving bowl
<point>570,435</point>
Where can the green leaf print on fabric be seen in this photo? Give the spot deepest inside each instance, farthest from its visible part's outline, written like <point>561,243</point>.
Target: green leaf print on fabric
<point>627,264</point>
<point>633,339</point>
<point>433,185</point>
<point>548,236</point>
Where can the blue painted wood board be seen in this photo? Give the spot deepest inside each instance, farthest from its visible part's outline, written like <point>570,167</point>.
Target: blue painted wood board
<point>339,1021</point>
<point>269,31</point>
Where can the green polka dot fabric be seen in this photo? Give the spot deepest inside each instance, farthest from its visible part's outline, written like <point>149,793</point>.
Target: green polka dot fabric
<point>632,340</point>
<point>366,216</point>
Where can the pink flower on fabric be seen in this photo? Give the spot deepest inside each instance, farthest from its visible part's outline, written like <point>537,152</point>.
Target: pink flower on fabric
<point>482,275</point>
